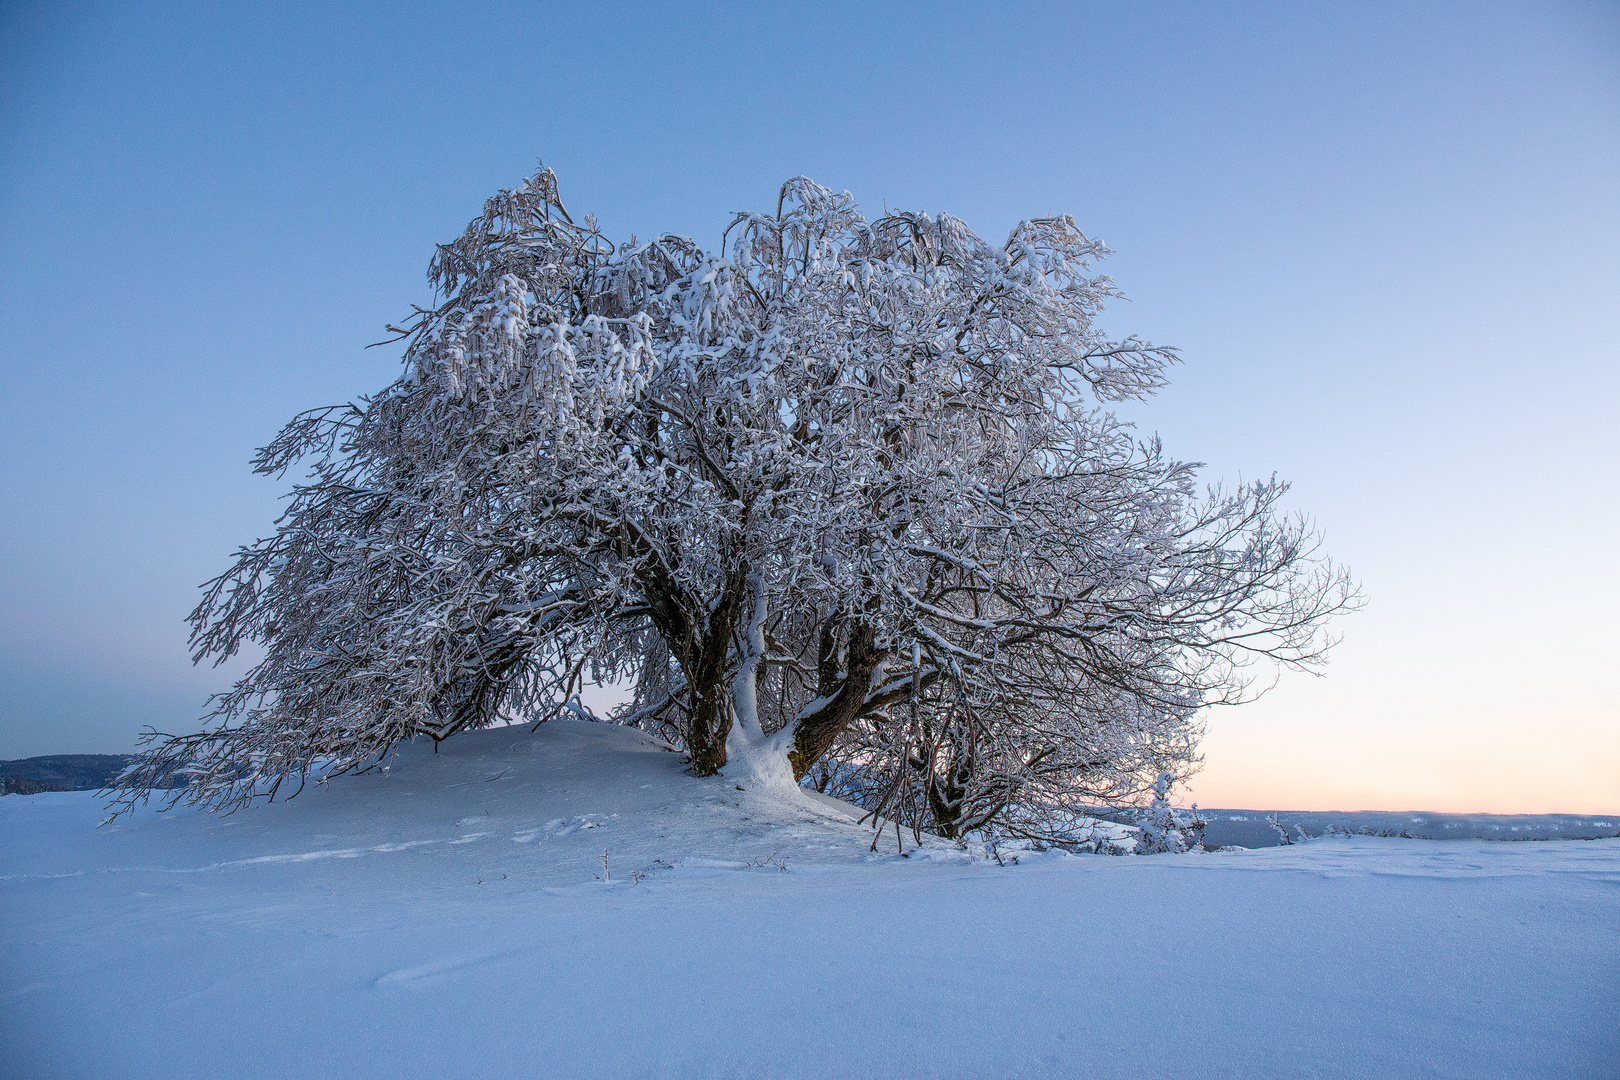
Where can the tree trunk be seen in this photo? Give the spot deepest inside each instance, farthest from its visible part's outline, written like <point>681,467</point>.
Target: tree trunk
<point>839,703</point>
<point>945,796</point>
<point>710,718</point>
<point>706,739</point>
<point>753,757</point>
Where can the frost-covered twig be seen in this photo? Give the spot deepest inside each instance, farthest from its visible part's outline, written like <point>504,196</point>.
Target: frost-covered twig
<point>847,487</point>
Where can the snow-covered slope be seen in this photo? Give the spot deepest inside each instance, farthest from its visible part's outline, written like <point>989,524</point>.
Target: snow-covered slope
<point>446,919</point>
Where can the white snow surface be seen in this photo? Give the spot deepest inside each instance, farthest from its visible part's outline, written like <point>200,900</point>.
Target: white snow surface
<point>445,919</point>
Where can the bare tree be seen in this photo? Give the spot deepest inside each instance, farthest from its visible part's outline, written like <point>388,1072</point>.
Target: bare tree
<point>842,489</point>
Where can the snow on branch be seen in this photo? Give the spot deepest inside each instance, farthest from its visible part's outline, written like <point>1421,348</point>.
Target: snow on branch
<point>846,486</point>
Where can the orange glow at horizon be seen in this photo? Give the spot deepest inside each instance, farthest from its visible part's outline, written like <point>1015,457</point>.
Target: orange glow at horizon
<point>1297,749</point>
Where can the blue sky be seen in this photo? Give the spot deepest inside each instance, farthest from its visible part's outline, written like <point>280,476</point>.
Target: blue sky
<point>1386,238</point>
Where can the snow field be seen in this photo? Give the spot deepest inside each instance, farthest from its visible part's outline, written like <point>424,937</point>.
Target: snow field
<point>447,919</point>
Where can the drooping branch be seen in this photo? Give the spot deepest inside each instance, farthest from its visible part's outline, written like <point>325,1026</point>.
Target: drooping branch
<point>875,447</point>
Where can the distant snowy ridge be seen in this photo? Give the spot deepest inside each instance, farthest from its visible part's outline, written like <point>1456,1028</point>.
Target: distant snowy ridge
<point>1249,828</point>
<point>60,772</point>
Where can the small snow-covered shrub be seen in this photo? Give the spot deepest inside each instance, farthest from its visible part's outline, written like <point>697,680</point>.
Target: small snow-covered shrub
<point>1161,829</point>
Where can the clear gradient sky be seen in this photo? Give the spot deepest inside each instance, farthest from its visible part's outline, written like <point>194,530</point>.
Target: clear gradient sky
<point>1386,238</point>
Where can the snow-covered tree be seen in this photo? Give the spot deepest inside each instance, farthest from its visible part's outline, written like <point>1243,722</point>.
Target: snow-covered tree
<point>840,493</point>
<point>1158,828</point>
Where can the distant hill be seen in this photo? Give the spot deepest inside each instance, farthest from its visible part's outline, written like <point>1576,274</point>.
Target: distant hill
<point>1251,829</point>
<point>60,772</point>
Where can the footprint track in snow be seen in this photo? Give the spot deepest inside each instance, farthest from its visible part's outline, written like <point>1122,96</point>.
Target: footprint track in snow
<point>560,827</point>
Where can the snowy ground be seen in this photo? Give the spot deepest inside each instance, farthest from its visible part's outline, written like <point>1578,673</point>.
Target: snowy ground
<point>443,921</point>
